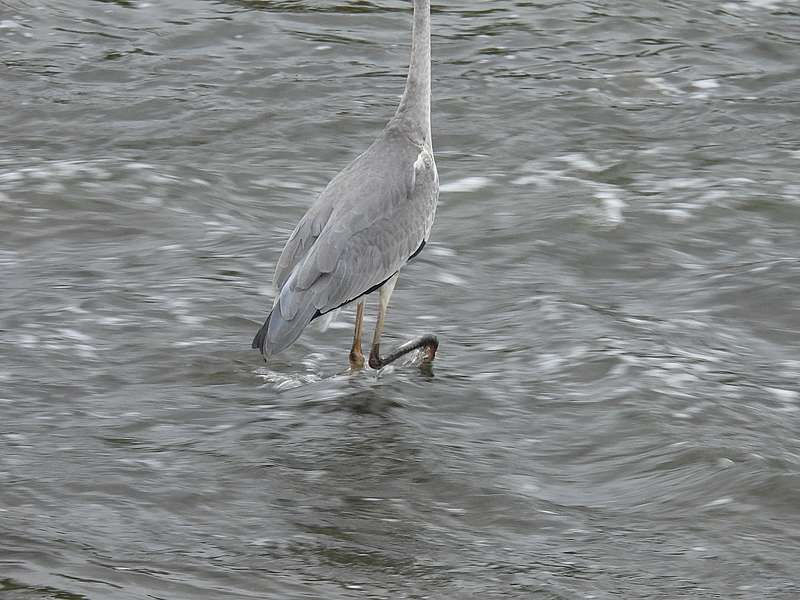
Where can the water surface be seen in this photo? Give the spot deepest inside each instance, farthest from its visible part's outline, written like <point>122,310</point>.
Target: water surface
<point>613,276</point>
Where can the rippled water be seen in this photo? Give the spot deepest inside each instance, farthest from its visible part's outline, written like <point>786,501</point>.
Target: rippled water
<point>613,276</point>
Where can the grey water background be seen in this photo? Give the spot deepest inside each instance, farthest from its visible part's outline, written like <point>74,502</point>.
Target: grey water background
<point>613,275</point>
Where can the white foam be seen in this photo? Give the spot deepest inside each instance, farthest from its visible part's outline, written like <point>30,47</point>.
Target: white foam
<point>663,86</point>
<point>74,334</point>
<point>783,395</point>
<point>578,160</point>
<point>138,166</point>
<point>191,319</point>
<point>719,502</point>
<point>10,176</point>
<point>451,279</point>
<point>540,179</point>
<point>439,251</point>
<point>739,180</point>
<point>612,205</point>
<point>111,321</point>
<point>705,84</point>
<point>467,184</point>
<point>676,215</point>
<point>751,5</point>
<point>152,201</point>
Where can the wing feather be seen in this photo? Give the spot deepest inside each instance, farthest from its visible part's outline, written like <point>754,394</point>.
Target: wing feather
<point>302,238</point>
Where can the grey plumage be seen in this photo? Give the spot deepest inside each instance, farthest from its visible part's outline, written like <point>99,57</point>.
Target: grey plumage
<point>368,221</point>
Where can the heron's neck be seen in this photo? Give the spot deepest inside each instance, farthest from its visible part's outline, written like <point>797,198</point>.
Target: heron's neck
<point>415,106</point>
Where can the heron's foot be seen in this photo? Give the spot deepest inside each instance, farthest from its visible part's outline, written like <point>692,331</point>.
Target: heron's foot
<point>429,342</point>
<point>356,360</point>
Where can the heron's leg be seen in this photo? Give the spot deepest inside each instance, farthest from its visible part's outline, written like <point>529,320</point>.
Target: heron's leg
<point>429,342</point>
<point>383,302</point>
<point>356,356</point>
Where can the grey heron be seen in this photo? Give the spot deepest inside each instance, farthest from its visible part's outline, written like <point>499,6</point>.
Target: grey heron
<point>370,220</point>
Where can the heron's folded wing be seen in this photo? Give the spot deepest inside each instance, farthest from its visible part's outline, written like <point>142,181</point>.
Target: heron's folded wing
<point>342,201</point>
<point>302,239</point>
<point>360,250</point>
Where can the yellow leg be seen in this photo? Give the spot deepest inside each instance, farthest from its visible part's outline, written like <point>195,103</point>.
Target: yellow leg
<point>356,356</point>
<point>383,302</point>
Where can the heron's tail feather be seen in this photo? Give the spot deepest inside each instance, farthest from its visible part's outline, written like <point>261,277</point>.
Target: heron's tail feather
<point>261,337</point>
<point>278,333</point>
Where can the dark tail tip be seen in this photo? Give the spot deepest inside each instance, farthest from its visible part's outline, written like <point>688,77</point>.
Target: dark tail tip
<point>261,337</point>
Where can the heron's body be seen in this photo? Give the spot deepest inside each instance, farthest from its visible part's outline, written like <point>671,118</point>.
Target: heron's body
<point>368,222</point>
